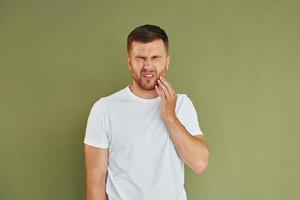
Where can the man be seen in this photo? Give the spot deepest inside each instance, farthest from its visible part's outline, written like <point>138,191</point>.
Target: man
<point>138,139</point>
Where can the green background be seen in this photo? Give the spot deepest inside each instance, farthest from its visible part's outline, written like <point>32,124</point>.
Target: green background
<point>237,60</point>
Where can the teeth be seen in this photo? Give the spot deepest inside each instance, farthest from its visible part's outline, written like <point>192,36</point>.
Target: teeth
<point>148,75</point>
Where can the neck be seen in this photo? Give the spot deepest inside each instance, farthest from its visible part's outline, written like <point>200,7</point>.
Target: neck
<point>140,92</point>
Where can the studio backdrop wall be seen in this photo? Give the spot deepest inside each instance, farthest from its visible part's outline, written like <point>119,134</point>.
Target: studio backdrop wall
<point>237,60</point>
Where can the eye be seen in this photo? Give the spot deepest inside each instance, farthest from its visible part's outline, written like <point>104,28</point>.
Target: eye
<point>140,58</point>
<point>156,57</point>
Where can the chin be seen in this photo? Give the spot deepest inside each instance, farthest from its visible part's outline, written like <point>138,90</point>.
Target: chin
<point>147,86</point>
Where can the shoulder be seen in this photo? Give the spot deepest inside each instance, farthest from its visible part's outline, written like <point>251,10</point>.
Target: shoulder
<point>183,98</point>
<point>182,101</point>
<point>184,104</point>
<point>115,96</point>
<point>98,106</point>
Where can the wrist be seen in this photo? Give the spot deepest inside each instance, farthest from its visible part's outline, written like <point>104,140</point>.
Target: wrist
<point>171,119</point>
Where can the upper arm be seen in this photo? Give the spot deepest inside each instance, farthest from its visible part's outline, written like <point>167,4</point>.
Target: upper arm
<point>96,162</point>
<point>97,127</point>
<point>187,115</point>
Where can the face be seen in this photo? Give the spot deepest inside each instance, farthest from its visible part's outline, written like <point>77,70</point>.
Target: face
<point>148,61</point>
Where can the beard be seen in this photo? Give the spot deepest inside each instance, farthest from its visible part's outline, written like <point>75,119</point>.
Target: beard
<point>147,84</point>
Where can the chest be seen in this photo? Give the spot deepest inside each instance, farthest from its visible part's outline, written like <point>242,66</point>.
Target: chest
<point>137,128</point>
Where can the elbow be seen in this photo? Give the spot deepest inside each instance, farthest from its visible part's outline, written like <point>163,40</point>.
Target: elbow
<point>201,167</point>
<point>202,164</point>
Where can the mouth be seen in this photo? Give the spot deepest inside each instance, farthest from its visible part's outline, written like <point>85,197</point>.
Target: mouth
<point>148,76</point>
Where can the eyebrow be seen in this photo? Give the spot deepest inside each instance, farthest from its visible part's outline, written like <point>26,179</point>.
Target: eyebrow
<point>139,56</point>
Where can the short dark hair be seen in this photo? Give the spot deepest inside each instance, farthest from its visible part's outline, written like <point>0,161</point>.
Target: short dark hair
<point>147,33</point>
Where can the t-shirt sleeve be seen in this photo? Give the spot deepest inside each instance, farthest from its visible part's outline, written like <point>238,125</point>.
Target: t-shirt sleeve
<point>96,133</point>
<point>189,117</point>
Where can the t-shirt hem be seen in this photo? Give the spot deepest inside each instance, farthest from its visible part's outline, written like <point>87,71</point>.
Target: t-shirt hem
<point>196,132</point>
<point>104,146</point>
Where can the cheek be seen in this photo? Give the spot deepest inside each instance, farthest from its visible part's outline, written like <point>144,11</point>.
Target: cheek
<point>163,67</point>
<point>135,66</point>
<point>163,70</point>
<point>158,62</point>
<point>138,63</point>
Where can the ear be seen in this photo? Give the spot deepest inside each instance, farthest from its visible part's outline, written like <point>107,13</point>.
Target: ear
<point>128,62</point>
<point>168,62</point>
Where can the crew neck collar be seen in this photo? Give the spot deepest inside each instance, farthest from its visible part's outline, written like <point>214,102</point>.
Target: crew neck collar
<point>132,95</point>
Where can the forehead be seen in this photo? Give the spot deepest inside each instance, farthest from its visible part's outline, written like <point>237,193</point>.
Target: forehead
<point>154,47</point>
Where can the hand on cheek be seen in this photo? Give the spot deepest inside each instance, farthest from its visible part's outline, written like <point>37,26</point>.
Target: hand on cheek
<point>168,98</point>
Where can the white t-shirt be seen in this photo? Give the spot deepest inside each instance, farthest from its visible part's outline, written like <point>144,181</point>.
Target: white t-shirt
<point>143,162</point>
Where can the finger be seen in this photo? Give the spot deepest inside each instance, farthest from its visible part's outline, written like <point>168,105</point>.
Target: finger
<point>168,86</point>
<point>164,88</point>
<point>160,92</point>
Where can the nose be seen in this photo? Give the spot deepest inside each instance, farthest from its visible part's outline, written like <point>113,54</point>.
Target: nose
<point>147,63</point>
<point>148,67</point>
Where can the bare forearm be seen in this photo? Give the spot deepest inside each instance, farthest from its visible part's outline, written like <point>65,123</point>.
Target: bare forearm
<point>192,150</point>
<point>96,191</point>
